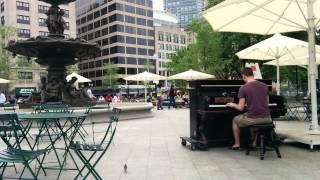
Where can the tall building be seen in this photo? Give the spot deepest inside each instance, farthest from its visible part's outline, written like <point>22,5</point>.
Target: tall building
<point>28,17</point>
<point>124,31</point>
<point>169,37</point>
<point>185,10</point>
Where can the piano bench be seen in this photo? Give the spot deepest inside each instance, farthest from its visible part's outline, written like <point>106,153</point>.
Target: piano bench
<point>266,136</point>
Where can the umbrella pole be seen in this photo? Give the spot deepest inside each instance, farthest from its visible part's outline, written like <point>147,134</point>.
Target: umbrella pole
<point>312,64</point>
<point>278,77</point>
<point>145,91</point>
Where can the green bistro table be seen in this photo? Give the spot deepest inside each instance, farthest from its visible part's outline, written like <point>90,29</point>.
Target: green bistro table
<point>66,130</point>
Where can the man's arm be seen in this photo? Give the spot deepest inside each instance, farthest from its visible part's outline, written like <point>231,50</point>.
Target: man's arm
<point>239,106</point>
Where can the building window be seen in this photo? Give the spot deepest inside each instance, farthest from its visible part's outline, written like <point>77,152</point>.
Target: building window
<point>42,22</point>
<point>131,60</point>
<point>2,20</point>
<point>66,13</point>
<point>183,39</point>
<point>23,19</point>
<point>23,6</point>
<point>43,33</point>
<point>129,9</point>
<point>130,19</point>
<point>140,11</point>
<point>130,40</point>
<point>160,36</point>
<point>43,9</point>
<point>130,30</point>
<point>168,37</point>
<point>25,75</point>
<point>141,21</point>
<point>142,32</point>
<point>24,33</point>
<point>131,50</point>
<point>2,7</point>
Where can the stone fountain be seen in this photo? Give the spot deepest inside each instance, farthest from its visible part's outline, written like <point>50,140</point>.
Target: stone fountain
<point>55,52</point>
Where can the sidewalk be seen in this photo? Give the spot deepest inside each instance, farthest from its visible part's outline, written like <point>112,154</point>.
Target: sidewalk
<point>152,151</point>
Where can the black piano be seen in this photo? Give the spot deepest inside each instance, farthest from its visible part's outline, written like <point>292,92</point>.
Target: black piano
<point>211,120</point>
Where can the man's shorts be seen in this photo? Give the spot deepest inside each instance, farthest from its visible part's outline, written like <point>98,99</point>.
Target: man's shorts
<point>243,120</point>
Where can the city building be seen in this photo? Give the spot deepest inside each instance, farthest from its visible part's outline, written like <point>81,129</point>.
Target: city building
<point>28,17</point>
<point>169,37</point>
<point>124,31</point>
<point>185,10</point>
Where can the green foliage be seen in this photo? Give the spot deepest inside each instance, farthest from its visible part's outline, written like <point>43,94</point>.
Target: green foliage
<point>72,68</point>
<point>212,52</point>
<point>5,33</point>
<point>110,75</point>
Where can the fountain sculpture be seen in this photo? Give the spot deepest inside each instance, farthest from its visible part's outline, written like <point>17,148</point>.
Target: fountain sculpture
<point>55,52</point>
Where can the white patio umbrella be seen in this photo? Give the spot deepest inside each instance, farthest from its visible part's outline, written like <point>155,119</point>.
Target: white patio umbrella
<point>80,79</point>
<point>269,17</point>
<point>4,81</point>
<point>276,47</point>
<point>191,75</point>
<point>296,61</point>
<point>145,77</point>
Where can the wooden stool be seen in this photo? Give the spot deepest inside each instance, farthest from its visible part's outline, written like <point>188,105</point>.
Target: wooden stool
<point>266,135</point>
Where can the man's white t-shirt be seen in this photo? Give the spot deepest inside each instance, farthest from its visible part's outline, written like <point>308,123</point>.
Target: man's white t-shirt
<point>2,98</point>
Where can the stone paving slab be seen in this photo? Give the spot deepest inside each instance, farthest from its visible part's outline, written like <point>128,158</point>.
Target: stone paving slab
<point>152,151</point>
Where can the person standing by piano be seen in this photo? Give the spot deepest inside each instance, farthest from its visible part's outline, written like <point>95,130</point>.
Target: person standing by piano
<point>254,95</point>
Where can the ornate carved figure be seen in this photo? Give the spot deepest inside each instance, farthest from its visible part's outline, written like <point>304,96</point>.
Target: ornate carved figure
<point>55,21</point>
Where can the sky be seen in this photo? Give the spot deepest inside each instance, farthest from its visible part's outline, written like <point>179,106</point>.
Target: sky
<point>158,4</point>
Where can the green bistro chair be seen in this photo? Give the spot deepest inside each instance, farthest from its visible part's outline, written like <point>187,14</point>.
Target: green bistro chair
<point>91,153</point>
<point>13,134</point>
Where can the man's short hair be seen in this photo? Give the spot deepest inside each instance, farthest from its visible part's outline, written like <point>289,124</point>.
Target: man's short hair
<point>247,72</point>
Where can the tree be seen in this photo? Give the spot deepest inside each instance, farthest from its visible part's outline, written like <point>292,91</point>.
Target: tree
<point>5,33</point>
<point>72,68</point>
<point>110,75</point>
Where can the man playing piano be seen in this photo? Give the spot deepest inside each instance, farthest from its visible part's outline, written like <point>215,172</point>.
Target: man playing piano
<point>254,95</point>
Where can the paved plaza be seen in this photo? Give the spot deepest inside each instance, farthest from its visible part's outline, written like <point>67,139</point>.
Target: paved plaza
<point>152,151</point>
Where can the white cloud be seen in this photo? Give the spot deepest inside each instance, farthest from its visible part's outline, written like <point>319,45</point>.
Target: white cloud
<point>158,4</point>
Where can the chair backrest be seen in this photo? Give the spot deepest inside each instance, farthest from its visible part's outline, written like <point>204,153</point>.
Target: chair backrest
<point>52,107</point>
<point>10,129</point>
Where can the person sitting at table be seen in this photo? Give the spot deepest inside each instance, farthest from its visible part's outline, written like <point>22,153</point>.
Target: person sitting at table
<point>253,94</point>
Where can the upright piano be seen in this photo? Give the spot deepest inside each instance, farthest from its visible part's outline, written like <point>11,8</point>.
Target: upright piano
<point>211,120</point>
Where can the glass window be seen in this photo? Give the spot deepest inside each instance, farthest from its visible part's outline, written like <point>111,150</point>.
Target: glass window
<point>25,75</point>
<point>131,70</point>
<point>97,24</point>
<point>104,31</point>
<point>112,18</point>
<point>23,6</point>
<point>66,13</point>
<point>142,41</point>
<point>131,30</point>
<point>130,19</point>
<point>120,17</point>
<point>129,9</point>
<point>131,50</point>
<point>104,11</point>
<point>141,21</point>
<point>141,2</point>
<point>142,32</point>
<point>97,34</point>
<point>90,17</point>
<point>23,19</point>
<point>112,7</point>
<point>131,60</point>
<point>90,27</point>
<point>130,40</point>
<point>160,36</point>
<point>140,11</point>
<point>67,25</point>
<point>2,7</point>
<point>43,9</point>
<point>24,33</point>
<point>42,22</point>
<point>104,21</point>
<point>96,14</point>
<point>150,13</point>
<point>142,51</point>
<point>150,23</point>
<point>142,61</point>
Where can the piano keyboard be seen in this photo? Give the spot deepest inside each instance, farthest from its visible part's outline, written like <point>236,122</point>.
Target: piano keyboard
<point>223,105</point>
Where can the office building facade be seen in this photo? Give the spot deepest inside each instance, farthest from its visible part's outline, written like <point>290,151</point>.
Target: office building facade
<point>185,10</point>
<point>169,38</point>
<point>28,17</point>
<point>124,31</point>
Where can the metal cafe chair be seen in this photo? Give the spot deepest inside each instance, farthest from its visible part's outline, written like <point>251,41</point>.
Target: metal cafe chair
<point>12,134</point>
<point>91,153</point>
